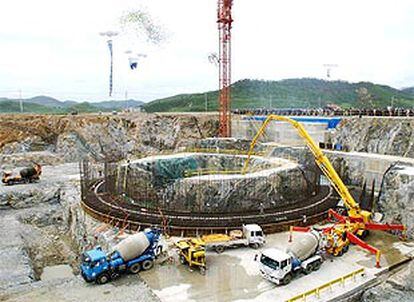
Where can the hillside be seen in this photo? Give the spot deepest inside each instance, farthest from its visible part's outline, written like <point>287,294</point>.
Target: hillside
<point>292,93</point>
<point>45,101</point>
<point>409,90</point>
<point>14,107</point>
<point>45,104</point>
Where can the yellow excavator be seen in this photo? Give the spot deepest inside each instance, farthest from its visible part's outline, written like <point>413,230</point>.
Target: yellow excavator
<point>348,229</point>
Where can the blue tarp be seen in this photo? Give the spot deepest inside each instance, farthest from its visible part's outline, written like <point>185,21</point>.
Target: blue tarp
<point>331,122</point>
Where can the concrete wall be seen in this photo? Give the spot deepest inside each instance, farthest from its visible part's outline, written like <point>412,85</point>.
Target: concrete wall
<point>358,167</point>
<point>355,168</point>
<point>278,132</point>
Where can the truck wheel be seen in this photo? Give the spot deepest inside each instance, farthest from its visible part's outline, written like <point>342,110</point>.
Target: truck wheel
<point>202,270</point>
<point>134,269</point>
<point>147,264</point>
<point>346,248</point>
<point>308,269</point>
<point>286,280</point>
<point>317,265</point>
<point>182,260</point>
<point>255,246</point>
<point>102,279</point>
<point>364,234</point>
<point>114,275</point>
<point>219,249</point>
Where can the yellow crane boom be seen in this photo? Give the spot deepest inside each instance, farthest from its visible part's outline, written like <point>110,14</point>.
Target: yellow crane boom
<point>354,210</point>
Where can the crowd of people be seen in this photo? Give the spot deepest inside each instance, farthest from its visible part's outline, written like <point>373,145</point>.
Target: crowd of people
<point>391,111</point>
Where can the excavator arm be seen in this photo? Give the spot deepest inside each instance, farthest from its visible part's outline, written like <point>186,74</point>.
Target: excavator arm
<point>354,210</point>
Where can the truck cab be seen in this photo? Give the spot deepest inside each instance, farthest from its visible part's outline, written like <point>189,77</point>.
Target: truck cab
<point>254,235</point>
<point>276,266</point>
<point>280,267</point>
<point>94,263</point>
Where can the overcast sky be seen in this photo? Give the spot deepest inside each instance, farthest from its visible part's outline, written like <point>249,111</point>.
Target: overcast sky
<point>54,48</point>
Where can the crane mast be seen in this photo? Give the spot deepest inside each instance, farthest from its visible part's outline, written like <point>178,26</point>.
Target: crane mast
<point>224,24</point>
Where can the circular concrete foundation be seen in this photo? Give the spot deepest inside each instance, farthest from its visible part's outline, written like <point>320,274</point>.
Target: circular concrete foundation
<point>201,192</point>
<point>214,183</point>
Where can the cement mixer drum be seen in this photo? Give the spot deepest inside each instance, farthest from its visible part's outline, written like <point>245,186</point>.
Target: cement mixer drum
<point>133,246</point>
<point>304,246</point>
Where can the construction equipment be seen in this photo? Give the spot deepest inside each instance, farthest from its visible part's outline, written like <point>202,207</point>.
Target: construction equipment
<point>251,235</point>
<point>347,229</point>
<point>192,252</point>
<point>26,175</point>
<point>224,20</point>
<point>303,256</point>
<point>136,252</point>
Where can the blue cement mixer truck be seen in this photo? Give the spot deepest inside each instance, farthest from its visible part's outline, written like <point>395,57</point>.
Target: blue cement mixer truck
<point>135,253</point>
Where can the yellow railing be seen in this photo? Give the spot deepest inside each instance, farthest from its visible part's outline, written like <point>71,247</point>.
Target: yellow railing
<point>223,151</point>
<point>201,172</point>
<point>317,291</point>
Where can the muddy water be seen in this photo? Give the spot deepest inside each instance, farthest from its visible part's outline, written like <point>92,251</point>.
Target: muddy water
<point>225,280</point>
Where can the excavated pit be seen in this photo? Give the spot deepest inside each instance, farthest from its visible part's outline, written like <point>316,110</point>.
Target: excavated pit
<point>44,232</point>
<point>214,183</point>
<point>204,192</point>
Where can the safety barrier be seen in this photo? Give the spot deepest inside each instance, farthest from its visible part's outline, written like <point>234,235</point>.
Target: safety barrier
<point>317,291</point>
<point>223,151</point>
<point>201,172</point>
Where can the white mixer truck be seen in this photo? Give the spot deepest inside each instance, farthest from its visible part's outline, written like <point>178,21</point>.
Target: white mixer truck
<point>302,256</point>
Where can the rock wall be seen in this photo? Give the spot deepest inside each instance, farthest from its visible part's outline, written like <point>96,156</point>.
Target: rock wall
<point>38,235</point>
<point>391,136</point>
<point>227,193</point>
<point>73,137</point>
<point>42,225</point>
<point>15,264</point>
<point>20,199</point>
<point>396,200</point>
<point>355,169</point>
<point>24,159</point>
<point>398,288</point>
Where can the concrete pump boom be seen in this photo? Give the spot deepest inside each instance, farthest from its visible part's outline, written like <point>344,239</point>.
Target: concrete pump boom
<point>354,210</point>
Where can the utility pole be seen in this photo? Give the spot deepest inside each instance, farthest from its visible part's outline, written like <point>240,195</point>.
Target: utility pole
<point>329,68</point>
<point>206,101</point>
<point>109,35</point>
<point>126,99</point>
<point>21,101</point>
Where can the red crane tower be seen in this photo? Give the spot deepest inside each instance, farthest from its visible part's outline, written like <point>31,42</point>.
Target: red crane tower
<point>224,24</point>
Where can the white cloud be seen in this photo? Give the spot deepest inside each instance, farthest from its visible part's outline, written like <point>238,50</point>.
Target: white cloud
<point>53,47</point>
